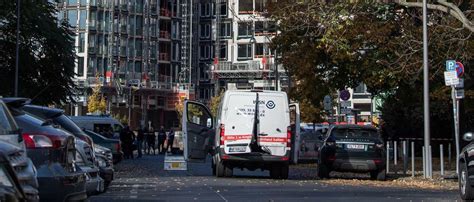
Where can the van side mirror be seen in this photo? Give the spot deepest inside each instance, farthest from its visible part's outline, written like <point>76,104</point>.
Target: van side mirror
<point>467,136</point>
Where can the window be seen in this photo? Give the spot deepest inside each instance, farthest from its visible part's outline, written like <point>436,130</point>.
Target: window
<point>245,29</point>
<point>91,67</point>
<point>259,27</point>
<point>244,51</point>
<point>223,8</point>
<point>205,30</point>
<point>223,51</point>
<point>83,2</point>
<point>80,66</point>
<point>138,67</point>
<point>81,42</point>
<point>72,2</point>
<point>260,50</point>
<point>226,29</point>
<point>92,19</point>
<point>205,52</point>
<point>260,5</point>
<point>139,28</point>
<point>72,17</point>
<point>272,26</point>
<point>82,19</point>
<point>245,6</point>
<point>205,10</point>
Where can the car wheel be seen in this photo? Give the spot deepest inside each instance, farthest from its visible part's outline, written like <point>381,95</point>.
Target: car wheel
<point>465,189</point>
<point>323,171</point>
<point>228,171</point>
<point>275,171</point>
<point>378,175</point>
<point>220,168</point>
<point>284,169</point>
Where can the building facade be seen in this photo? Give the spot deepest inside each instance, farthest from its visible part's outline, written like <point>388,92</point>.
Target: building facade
<point>132,49</point>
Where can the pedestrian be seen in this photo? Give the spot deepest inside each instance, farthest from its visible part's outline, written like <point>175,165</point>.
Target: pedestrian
<point>127,138</point>
<point>170,141</point>
<point>151,140</point>
<point>161,140</point>
<point>140,138</point>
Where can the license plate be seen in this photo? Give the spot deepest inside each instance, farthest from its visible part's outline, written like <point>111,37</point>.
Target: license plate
<point>175,165</point>
<point>237,149</point>
<point>356,146</point>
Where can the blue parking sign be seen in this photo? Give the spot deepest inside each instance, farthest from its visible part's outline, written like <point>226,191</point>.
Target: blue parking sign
<point>450,65</point>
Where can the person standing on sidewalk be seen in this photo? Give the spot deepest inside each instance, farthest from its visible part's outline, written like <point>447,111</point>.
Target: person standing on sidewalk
<point>151,140</point>
<point>170,141</point>
<point>140,138</point>
<point>161,140</point>
<point>127,137</point>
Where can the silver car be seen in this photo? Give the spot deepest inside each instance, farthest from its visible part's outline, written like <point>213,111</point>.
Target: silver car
<point>86,161</point>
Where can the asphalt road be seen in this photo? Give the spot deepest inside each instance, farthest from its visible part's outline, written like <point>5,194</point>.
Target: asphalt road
<point>145,180</point>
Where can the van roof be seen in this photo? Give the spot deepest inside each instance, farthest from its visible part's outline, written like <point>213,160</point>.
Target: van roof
<point>92,117</point>
<point>256,91</point>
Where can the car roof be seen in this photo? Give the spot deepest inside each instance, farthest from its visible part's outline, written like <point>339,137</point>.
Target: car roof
<point>46,111</point>
<point>353,126</point>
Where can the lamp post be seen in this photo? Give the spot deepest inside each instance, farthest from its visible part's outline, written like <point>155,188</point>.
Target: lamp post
<point>426,106</point>
<point>17,59</point>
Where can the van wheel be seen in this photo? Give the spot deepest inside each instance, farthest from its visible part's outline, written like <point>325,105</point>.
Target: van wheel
<point>378,175</point>
<point>323,171</point>
<point>284,170</point>
<point>275,171</point>
<point>220,168</point>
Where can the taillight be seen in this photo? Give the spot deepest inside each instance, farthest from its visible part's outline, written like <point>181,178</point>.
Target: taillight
<point>34,141</point>
<point>288,136</point>
<point>117,146</point>
<point>379,146</point>
<point>222,133</point>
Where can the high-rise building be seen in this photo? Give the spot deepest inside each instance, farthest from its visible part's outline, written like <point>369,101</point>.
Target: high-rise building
<point>131,48</point>
<point>232,38</point>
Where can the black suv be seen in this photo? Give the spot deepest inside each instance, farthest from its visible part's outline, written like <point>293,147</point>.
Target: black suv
<point>466,169</point>
<point>352,148</point>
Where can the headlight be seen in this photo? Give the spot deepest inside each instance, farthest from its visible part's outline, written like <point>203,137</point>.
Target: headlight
<point>4,179</point>
<point>101,162</point>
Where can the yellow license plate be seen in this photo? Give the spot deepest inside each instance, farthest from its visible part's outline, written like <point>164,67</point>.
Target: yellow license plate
<point>175,165</point>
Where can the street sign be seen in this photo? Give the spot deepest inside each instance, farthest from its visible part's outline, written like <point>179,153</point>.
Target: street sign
<point>327,103</point>
<point>344,95</point>
<point>460,85</point>
<point>451,78</point>
<point>346,110</point>
<point>459,69</point>
<point>459,94</point>
<point>450,65</point>
<point>346,104</point>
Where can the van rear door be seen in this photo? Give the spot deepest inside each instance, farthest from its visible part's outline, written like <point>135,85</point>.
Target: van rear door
<point>198,130</point>
<point>239,118</point>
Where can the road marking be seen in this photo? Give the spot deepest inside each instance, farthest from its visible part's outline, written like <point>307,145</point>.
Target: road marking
<point>217,192</point>
<point>134,191</point>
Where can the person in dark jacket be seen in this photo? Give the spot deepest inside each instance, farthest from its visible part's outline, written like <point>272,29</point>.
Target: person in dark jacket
<point>170,140</point>
<point>151,140</point>
<point>127,138</point>
<point>161,140</point>
<point>140,138</point>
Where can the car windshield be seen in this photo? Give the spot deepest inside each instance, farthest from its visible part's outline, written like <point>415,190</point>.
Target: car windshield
<point>354,133</point>
<point>6,122</point>
<point>68,125</point>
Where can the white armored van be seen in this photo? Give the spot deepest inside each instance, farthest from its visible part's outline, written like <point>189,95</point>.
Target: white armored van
<point>252,130</point>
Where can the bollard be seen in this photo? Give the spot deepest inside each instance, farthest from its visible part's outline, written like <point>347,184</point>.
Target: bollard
<point>395,155</point>
<point>405,156</point>
<point>413,159</point>
<point>430,163</point>
<point>449,155</point>
<point>388,155</point>
<point>441,159</point>
<point>424,161</point>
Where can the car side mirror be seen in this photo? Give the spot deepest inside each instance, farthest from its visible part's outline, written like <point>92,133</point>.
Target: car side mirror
<point>467,136</point>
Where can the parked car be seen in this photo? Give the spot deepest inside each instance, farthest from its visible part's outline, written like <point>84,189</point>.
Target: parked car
<point>98,124</point>
<point>105,163</point>
<point>352,148</point>
<point>10,188</point>
<point>86,161</point>
<point>466,169</point>
<point>53,153</point>
<point>9,132</point>
<point>112,144</point>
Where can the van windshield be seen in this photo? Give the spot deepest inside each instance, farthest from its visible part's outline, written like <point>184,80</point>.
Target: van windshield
<point>68,125</point>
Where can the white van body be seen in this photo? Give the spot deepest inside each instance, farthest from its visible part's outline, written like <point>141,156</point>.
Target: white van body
<point>229,137</point>
<point>91,122</point>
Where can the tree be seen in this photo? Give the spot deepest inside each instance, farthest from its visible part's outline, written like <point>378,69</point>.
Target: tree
<point>46,65</point>
<point>215,102</point>
<point>96,102</point>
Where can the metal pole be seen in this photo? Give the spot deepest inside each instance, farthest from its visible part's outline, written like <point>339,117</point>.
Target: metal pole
<point>275,62</point>
<point>388,155</point>
<point>405,156</point>
<point>130,104</point>
<point>426,88</point>
<point>430,163</point>
<point>413,159</point>
<point>456,126</point>
<point>441,159</point>
<point>191,10</point>
<point>17,59</point>
<point>458,148</point>
<point>395,155</point>
<point>449,155</point>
